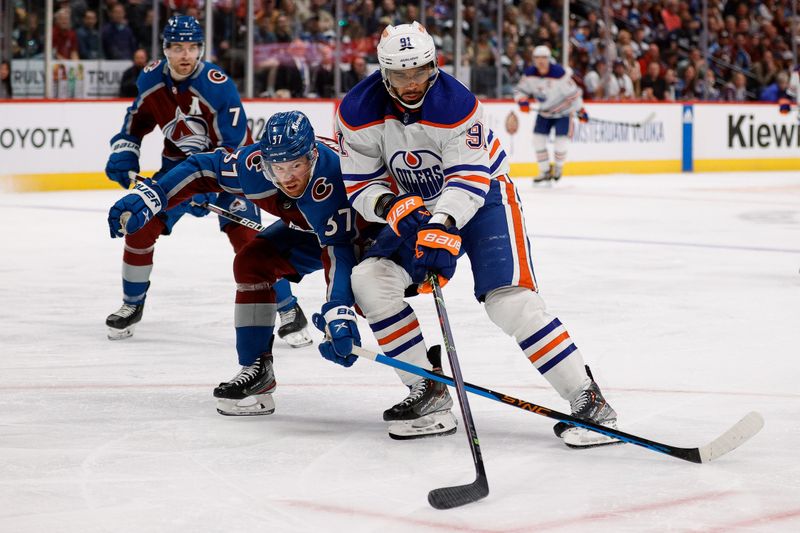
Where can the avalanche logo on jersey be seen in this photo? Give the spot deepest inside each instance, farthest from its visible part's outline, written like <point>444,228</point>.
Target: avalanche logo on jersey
<point>189,133</point>
<point>254,162</point>
<point>237,205</point>
<point>418,171</point>
<point>321,189</point>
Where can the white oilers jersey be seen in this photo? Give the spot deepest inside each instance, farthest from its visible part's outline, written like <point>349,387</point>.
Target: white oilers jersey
<point>442,151</point>
<point>556,93</point>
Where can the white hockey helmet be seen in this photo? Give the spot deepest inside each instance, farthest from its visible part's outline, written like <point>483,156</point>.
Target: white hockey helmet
<point>542,51</point>
<point>404,47</point>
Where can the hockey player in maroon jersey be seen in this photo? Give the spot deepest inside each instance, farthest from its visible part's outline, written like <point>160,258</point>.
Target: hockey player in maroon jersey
<point>198,110</point>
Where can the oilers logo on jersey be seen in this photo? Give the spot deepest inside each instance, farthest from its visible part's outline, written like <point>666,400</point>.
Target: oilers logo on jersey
<point>187,132</point>
<point>418,171</point>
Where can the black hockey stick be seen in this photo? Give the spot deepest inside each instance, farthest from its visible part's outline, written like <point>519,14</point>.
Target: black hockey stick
<point>734,437</point>
<point>449,497</point>
<point>649,118</point>
<point>224,213</point>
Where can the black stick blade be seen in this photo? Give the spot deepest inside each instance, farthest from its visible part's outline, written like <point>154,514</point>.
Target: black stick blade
<point>449,497</point>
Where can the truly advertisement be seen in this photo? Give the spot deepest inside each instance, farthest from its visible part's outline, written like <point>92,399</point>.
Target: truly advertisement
<point>71,79</point>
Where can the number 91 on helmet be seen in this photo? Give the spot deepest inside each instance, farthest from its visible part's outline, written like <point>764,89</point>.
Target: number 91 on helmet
<point>289,152</point>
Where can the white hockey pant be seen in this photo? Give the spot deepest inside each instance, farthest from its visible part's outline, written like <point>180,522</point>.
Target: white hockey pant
<point>378,286</point>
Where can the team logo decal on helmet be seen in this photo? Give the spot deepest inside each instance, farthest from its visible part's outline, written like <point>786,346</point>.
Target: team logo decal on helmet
<point>418,171</point>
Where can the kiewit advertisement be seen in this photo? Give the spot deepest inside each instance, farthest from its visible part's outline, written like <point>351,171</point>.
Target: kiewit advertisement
<point>745,137</point>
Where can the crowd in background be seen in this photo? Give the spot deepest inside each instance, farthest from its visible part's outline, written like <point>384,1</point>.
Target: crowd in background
<point>619,49</point>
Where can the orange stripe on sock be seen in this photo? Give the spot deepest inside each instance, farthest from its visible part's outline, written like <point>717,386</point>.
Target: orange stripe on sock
<point>399,333</point>
<point>549,346</point>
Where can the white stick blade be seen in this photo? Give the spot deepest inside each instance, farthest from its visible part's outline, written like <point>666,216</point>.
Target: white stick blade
<point>737,435</point>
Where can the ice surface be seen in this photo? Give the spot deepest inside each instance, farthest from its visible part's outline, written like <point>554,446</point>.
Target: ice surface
<point>682,291</point>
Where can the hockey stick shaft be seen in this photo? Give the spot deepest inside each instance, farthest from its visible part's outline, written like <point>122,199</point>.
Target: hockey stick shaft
<point>731,439</point>
<point>224,213</point>
<point>449,497</point>
<point>647,120</point>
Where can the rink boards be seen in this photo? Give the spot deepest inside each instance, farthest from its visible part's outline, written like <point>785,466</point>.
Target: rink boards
<point>63,145</point>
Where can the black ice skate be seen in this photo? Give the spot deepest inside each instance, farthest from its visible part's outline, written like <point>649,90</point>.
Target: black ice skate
<point>122,322</point>
<point>250,391</point>
<point>592,406</point>
<point>293,327</point>
<point>425,412</point>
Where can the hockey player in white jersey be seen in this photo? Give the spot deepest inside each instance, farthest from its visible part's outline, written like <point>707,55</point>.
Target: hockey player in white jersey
<point>417,154</point>
<point>558,98</point>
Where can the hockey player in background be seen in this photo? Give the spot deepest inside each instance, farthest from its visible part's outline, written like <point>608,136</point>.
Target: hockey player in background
<point>416,152</point>
<point>198,109</point>
<point>298,179</point>
<point>558,98</point>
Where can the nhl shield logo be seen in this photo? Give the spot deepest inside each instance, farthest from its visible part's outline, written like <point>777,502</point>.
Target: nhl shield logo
<point>418,171</point>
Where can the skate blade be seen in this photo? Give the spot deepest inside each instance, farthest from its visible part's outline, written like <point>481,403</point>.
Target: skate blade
<point>576,437</point>
<point>115,334</point>
<point>298,339</point>
<point>258,405</point>
<point>438,424</point>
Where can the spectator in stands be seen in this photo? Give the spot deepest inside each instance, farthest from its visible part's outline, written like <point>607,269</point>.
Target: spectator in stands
<point>765,70</point>
<point>618,85</point>
<point>632,68</point>
<point>708,87</point>
<point>128,87</point>
<point>595,80</point>
<point>777,90</point>
<point>29,38</point>
<point>653,53</point>
<point>291,78</point>
<point>736,89</point>
<point>688,87</point>
<point>653,85</point>
<point>88,36</point>
<point>671,82</point>
<point>65,41</point>
<point>357,72</point>
<point>118,39</point>
<point>5,80</point>
<point>321,79</point>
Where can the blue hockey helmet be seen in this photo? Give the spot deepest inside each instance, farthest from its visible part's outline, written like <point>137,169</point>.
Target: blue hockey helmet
<point>288,136</point>
<point>183,29</point>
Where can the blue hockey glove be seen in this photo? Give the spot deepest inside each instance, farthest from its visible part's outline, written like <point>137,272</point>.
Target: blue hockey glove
<point>195,207</point>
<point>437,251</point>
<point>134,210</point>
<point>124,158</point>
<point>407,213</point>
<point>338,322</point>
<point>583,116</point>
